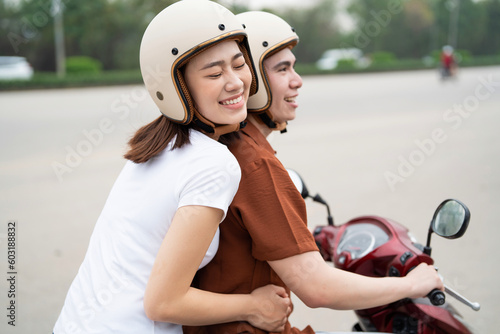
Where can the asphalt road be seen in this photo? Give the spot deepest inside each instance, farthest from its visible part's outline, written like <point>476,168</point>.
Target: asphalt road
<point>393,144</point>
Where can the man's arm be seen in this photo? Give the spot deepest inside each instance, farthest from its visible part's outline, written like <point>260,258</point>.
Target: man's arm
<point>319,285</point>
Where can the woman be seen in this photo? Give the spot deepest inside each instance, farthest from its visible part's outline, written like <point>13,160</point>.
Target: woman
<point>159,221</point>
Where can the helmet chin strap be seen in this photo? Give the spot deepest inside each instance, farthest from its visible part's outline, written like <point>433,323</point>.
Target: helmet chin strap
<point>267,118</point>
<point>211,129</point>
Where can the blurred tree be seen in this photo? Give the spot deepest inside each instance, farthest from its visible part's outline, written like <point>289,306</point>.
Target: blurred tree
<point>372,19</point>
<point>490,41</point>
<point>6,14</point>
<point>111,30</point>
<point>235,6</point>
<point>420,26</point>
<point>419,19</point>
<point>399,27</point>
<point>316,28</point>
<point>28,32</point>
<point>470,26</point>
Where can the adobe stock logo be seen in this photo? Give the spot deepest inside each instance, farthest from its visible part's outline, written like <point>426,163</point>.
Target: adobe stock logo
<point>454,117</point>
<point>31,25</point>
<point>372,28</point>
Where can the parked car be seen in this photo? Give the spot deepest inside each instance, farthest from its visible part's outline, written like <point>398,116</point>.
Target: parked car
<point>330,58</point>
<point>15,68</point>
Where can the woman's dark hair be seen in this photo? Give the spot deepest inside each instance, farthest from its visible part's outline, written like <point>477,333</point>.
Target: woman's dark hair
<point>229,138</point>
<point>153,138</point>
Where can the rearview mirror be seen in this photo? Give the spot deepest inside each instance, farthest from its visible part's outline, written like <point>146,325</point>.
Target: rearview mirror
<point>299,183</point>
<point>451,219</point>
<point>301,187</point>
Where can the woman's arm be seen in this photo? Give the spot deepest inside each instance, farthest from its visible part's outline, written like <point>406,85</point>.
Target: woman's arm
<point>169,296</point>
<point>319,285</point>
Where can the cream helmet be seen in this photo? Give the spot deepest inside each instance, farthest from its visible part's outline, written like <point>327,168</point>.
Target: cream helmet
<point>267,34</point>
<point>173,37</point>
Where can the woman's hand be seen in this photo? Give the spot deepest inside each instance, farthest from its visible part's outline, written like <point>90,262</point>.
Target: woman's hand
<point>423,279</point>
<point>169,296</point>
<point>272,308</point>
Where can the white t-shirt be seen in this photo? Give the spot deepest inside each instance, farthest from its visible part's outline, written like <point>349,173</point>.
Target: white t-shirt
<point>107,294</point>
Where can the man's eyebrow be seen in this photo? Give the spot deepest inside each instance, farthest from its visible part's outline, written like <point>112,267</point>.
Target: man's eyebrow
<point>286,63</point>
<point>221,62</point>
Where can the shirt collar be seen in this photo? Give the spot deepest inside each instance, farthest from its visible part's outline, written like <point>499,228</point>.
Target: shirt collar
<point>254,133</point>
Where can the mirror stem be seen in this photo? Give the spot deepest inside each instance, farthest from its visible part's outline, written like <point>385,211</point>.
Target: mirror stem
<point>427,249</point>
<point>317,198</point>
<point>330,220</point>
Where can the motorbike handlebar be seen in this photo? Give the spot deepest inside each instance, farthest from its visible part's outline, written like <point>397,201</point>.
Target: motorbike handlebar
<point>453,293</point>
<point>436,297</point>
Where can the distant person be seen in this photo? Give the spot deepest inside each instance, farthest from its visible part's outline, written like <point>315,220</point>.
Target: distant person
<point>448,63</point>
<point>264,238</point>
<point>160,221</point>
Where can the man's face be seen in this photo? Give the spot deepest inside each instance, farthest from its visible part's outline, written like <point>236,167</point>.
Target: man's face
<point>284,83</point>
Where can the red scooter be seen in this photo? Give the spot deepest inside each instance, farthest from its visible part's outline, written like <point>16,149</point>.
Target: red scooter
<point>379,247</point>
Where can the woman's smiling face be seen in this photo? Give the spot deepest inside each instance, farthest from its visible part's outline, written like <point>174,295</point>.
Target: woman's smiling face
<point>219,80</point>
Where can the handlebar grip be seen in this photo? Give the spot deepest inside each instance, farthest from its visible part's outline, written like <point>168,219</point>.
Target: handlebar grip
<point>436,297</point>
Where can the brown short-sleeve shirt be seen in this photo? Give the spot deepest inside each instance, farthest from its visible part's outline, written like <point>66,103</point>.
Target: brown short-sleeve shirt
<point>266,221</point>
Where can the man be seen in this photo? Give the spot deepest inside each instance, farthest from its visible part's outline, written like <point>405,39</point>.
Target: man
<point>264,238</point>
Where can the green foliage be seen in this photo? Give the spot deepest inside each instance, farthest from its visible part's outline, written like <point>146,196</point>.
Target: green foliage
<point>382,57</point>
<point>481,61</point>
<point>51,80</point>
<point>463,55</point>
<point>346,64</point>
<point>460,56</point>
<point>82,64</point>
<point>316,29</point>
<point>417,27</point>
<point>109,31</point>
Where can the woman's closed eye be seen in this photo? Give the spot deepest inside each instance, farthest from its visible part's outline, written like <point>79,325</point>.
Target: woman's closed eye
<point>215,76</point>
<point>219,74</point>
<point>240,66</point>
